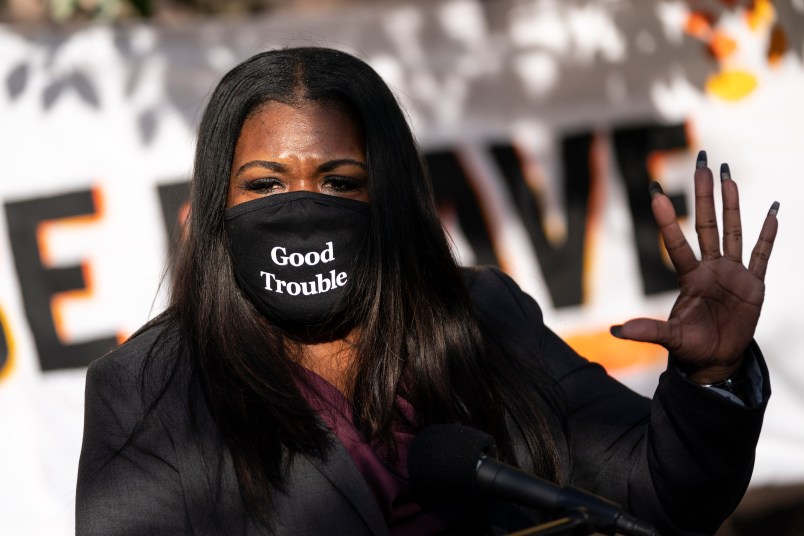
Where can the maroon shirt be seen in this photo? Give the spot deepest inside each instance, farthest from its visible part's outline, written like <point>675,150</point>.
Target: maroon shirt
<point>385,473</point>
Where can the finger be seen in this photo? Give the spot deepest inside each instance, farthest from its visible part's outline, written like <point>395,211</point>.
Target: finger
<point>647,330</point>
<point>758,264</point>
<point>679,250</point>
<point>732,226</point>
<point>705,219</point>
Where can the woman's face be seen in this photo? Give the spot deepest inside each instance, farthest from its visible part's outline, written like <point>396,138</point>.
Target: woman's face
<point>315,147</point>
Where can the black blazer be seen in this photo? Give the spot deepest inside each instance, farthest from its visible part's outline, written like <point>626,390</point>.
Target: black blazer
<point>681,460</point>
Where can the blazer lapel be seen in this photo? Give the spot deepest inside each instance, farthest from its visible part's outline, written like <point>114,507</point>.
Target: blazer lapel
<point>341,472</point>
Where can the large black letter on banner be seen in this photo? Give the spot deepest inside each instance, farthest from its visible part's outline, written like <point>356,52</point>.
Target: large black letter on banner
<point>39,283</point>
<point>633,146</point>
<point>451,185</point>
<point>561,264</point>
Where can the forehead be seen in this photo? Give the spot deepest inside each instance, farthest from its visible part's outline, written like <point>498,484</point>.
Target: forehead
<point>313,128</point>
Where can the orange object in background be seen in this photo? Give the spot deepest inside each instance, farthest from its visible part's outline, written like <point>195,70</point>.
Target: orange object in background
<point>613,353</point>
<point>721,45</point>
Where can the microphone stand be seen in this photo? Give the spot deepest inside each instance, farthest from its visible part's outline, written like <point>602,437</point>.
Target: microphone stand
<point>584,513</point>
<point>574,523</point>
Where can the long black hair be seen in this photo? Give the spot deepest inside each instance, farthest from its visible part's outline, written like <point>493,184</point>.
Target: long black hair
<point>418,334</point>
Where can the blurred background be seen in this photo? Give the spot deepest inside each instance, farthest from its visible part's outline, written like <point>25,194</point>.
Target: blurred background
<point>542,123</point>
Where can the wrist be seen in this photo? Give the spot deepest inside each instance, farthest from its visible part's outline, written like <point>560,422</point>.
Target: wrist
<point>716,373</point>
<point>731,379</point>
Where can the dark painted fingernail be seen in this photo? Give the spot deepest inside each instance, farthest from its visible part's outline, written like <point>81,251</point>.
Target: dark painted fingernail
<point>774,210</point>
<point>725,173</point>
<point>655,189</point>
<point>617,331</point>
<point>701,160</point>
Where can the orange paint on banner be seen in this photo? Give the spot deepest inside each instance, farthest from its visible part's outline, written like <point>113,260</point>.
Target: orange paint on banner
<point>692,136</point>
<point>613,353</point>
<point>44,228</point>
<point>8,366</point>
<point>598,162</point>
<point>721,45</point>
<point>122,337</point>
<point>184,217</point>
<point>761,14</point>
<point>655,165</point>
<point>698,24</point>
<point>58,300</point>
<point>732,85</point>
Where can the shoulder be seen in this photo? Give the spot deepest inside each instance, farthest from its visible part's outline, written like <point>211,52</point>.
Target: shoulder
<point>493,293</point>
<point>486,283</point>
<point>131,465</point>
<point>129,358</point>
<point>140,366</point>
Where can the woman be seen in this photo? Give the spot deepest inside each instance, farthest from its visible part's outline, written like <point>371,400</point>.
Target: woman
<point>318,320</point>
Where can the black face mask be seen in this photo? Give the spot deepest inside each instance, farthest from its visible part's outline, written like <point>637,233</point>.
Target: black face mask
<point>295,254</point>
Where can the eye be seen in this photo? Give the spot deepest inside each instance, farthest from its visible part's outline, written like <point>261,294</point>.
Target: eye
<point>265,185</point>
<point>339,183</point>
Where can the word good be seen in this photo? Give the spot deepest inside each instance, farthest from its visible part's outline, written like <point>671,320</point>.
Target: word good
<point>297,259</point>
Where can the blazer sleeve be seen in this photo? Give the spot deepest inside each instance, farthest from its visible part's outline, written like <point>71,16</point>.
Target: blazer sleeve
<point>681,460</point>
<point>125,491</point>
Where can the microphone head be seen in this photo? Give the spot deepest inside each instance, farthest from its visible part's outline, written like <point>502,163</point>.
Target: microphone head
<point>443,460</point>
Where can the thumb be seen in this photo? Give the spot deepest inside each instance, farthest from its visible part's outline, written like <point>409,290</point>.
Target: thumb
<point>645,330</point>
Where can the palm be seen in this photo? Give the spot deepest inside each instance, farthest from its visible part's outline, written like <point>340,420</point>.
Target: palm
<point>716,312</point>
<point>715,315</point>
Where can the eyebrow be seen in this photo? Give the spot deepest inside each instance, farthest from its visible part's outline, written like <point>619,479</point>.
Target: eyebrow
<point>334,164</point>
<point>280,168</point>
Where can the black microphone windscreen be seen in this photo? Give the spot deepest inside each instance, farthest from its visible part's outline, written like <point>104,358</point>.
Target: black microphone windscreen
<point>442,462</point>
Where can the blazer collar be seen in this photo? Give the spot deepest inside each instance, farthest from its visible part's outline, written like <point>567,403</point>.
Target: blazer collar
<point>339,469</point>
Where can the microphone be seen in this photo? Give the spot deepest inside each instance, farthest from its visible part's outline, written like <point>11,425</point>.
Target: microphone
<point>452,460</point>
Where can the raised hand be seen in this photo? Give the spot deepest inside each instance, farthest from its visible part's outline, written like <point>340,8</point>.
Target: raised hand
<point>714,317</point>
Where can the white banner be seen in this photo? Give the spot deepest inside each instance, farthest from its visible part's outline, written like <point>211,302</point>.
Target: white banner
<point>542,122</point>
